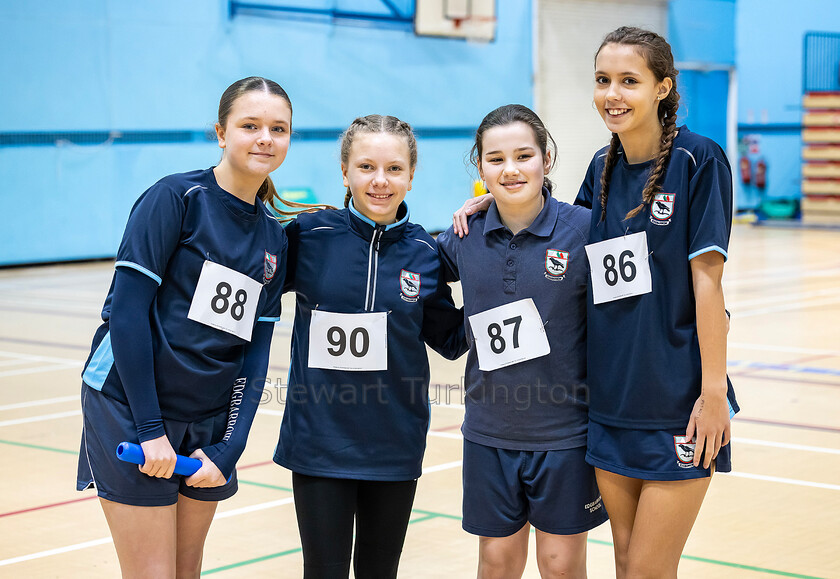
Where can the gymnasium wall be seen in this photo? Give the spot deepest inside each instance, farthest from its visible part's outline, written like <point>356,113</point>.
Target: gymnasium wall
<point>103,97</point>
<point>702,37</point>
<point>769,40</point>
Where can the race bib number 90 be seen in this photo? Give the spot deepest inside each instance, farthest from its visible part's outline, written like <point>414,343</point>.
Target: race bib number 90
<point>354,342</point>
<point>508,335</point>
<point>619,267</point>
<point>226,300</point>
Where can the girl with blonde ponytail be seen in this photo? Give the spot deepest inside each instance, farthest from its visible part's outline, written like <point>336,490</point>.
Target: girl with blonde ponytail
<point>661,403</point>
<point>370,296</point>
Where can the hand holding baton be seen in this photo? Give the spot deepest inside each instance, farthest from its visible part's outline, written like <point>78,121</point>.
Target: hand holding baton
<point>133,453</point>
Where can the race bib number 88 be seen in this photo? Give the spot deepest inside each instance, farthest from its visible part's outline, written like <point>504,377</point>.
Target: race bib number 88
<point>619,267</point>
<point>226,300</point>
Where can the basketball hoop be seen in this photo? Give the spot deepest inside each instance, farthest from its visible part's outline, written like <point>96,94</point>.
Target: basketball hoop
<point>472,20</point>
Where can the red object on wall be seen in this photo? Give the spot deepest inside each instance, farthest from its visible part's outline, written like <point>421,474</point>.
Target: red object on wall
<point>745,169</point>
<point>761,173</point>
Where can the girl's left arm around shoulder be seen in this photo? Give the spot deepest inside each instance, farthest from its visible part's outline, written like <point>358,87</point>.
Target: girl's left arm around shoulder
<point>709,420</point>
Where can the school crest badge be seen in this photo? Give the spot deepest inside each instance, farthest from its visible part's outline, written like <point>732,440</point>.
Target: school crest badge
<point>685,451</point>
<point>409,285</point>
<point>662,208</point>
<point>556,263</point>
<point>270,267</point>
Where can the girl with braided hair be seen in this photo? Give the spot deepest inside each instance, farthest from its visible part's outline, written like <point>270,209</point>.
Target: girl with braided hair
<point>370,297</point>
<point>660,400</point>
<point>661,403</point>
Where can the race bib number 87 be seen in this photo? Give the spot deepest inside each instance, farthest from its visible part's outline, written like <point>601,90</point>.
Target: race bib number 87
<point>508,335</point>
<point>226,300</point>
<point>619,267</point>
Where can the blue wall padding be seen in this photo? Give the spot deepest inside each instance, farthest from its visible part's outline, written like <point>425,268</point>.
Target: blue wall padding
<point>158,66</point>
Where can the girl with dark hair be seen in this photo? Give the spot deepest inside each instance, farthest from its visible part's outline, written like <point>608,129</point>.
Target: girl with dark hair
<point>661,403</point>
<point>661,199</point>
<point>369,297</point>
<point>523,274</point>
<point>179,361</point>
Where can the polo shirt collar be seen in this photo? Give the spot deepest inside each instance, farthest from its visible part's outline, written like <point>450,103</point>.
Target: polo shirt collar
<point>542,226</point>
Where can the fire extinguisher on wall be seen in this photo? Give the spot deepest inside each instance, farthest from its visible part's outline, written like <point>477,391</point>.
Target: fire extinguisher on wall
<point>761,173</point>
<point>745,169</point>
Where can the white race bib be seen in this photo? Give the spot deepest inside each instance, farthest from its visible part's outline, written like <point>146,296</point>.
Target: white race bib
<point>619,267</point>
<point>226,300</point>
<point>509,334</point>
<point>353,342</point>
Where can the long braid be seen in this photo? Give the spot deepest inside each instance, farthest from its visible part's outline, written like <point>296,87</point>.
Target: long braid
<point>669,131</point>
<point>606,174</point>
<point>660,61</point>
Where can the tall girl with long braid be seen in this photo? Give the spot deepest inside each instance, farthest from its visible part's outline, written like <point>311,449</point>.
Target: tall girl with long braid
<point>660,407</point>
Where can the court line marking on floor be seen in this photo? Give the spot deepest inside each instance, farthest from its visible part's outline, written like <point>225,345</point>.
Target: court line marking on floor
<point>785,349</point>
<point>783,307</point>
<point>42,402</point>
<point>777,479</point>
<point>13,362</point>
<point>40,369</point>
<point>35,358</point>
<point>222,515</point>
<point>795,368</point>
<point>785,445</point>
<point>784,298</point>
<point>782,424</point>
<point>289,500</point>
<point>41,417</point>
<point>56,551</point>
<point>42,343</point>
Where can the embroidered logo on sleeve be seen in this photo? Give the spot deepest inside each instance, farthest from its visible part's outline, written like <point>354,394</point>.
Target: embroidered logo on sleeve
<point>556,264</point>
<point>409,285</point>
<point>662,208</point>
<point>270,267</point>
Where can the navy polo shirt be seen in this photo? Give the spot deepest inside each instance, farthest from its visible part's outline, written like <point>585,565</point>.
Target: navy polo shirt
<point>644,355</point>
<point>179,223</point>
<point>538,404</point>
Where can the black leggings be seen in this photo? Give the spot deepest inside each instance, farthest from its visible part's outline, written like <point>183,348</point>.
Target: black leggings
<point>326,508</point>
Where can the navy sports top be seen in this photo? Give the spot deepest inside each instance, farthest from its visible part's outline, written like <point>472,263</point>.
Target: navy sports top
<point>177,225</point>
<point>368,424</point>
<point>643,351</point>
<point>538,404</point>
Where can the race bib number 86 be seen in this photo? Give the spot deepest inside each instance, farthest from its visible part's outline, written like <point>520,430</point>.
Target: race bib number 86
<point>619,267</point>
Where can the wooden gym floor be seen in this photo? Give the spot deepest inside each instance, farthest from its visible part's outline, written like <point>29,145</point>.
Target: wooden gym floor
<point>777,514</point>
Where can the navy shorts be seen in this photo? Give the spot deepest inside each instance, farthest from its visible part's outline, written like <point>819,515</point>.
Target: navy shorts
<point>107,422</point>
<point>649,454</point>
<point>554,490</point>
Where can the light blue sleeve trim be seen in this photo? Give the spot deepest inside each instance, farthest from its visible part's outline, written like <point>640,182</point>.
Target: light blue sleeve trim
<point>100,364</point>
<point>140,268</point>
<point>707,250</point>
<point>272,320</point>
